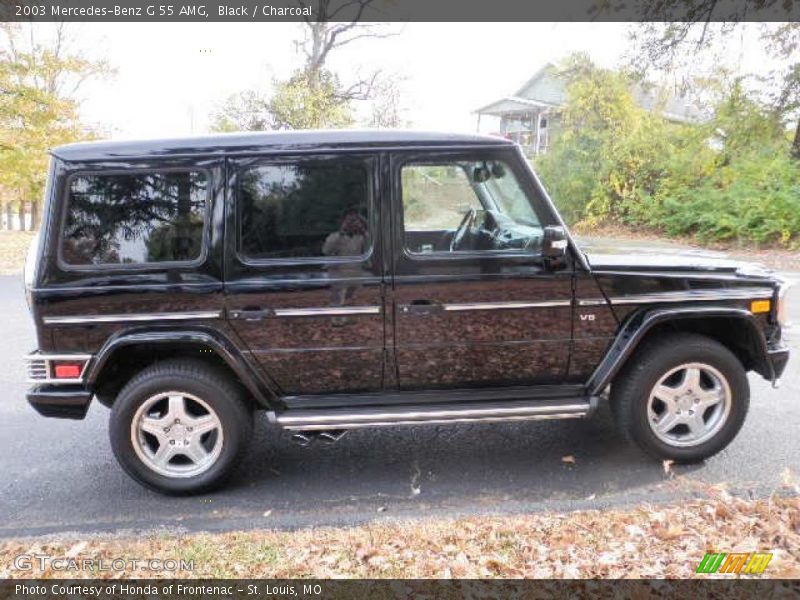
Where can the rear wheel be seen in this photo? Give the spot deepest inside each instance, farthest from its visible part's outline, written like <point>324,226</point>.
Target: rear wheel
<point>180,427</point>
<point>683,397</point>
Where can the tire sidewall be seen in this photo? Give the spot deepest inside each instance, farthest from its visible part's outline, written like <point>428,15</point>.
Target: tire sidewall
<point>730,368</point>
<point>234,427</point>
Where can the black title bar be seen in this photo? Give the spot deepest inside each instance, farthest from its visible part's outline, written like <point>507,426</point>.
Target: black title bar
<point>398,10</point>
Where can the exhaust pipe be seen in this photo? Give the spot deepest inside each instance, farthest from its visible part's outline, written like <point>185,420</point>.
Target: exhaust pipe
<point>326,437</point>
<point>331,437</point>
<point>301,439</point>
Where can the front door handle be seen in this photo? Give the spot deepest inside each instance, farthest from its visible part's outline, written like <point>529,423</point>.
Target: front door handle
<point>250,314</point>
<point>421,307</point>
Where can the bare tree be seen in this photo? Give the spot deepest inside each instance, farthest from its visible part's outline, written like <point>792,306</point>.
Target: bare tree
<point>701,42</point>
<point>335,24</point>
<point>387,108</point>
<point>64,68</point>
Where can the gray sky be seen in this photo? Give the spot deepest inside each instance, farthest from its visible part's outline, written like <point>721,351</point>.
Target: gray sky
<point>171,76</point>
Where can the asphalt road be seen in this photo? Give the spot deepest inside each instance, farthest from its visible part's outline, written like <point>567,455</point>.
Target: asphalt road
<point>60,476</point>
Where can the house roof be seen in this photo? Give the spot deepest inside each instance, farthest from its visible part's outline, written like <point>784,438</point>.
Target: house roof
<point>546,89</point>
<point>272,141</point>
<point>512,104</point>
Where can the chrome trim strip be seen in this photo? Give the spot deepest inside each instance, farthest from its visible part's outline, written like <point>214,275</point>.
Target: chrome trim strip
<point>504,305</point>
<point>46,359</point>
<point>127,318</point>
<point>327,311</point>
<point>364,425</point>
<point>684,296</point>
<point>40,356</point>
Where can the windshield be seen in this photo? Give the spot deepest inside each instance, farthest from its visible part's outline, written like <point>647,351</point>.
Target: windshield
<point>509,198</point>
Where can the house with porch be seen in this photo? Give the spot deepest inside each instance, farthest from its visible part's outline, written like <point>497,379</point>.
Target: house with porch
<point>531,117</point>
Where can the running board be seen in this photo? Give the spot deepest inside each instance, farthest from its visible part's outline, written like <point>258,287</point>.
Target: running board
<point>384,416</point>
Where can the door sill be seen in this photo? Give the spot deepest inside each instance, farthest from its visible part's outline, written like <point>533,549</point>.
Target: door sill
<point>431,396</point>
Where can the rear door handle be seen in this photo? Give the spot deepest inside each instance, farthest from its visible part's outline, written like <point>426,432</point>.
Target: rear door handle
<point>250,314</point>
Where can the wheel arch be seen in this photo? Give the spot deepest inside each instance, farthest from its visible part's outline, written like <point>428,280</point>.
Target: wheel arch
<point>124,355</point>
<point>735,328</point>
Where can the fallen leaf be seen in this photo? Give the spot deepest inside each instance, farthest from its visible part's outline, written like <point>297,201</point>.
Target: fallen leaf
<point>568,459</point>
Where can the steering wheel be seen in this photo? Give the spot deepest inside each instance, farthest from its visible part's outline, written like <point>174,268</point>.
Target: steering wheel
<point>461,231</point>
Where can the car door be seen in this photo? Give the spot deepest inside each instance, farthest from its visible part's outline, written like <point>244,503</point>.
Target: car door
<point>303,275</point>
<point>483,310</point>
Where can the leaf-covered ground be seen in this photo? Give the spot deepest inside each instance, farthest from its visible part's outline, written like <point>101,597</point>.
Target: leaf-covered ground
<point>646,541</point>
<point>13,248</point>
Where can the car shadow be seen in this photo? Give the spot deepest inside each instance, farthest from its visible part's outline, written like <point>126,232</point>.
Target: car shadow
<point>455,466</point>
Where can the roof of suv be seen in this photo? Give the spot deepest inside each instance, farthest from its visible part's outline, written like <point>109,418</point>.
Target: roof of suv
<point>251,142</point>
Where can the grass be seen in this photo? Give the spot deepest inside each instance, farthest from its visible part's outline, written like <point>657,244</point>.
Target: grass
<point>13,248</point>
<point>645,541</point>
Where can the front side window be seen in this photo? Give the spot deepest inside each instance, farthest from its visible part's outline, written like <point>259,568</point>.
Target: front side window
<point>304,210</point>
<point>464,206</point>
<point>134,218</point>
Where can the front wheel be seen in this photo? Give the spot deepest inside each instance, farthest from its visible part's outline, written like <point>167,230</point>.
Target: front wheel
<point>684,397</point>
<point>180,427</point>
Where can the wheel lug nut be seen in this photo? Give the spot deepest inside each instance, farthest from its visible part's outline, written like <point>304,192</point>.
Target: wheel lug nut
<point>172,442</point>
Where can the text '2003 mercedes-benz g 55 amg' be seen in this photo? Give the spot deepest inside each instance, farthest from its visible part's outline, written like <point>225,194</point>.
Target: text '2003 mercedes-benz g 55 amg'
<point>343,279</point>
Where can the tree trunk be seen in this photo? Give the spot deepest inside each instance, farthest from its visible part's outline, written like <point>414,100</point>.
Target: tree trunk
<point>9,217</point>
<point>796,142</point>
<point>34,216</point>
<point>21,214</point>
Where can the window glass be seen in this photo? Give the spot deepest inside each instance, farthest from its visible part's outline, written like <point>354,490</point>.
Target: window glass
<point>467,205</point>
<point>304,210</point>
<point>135,218</point>
<point>435,197</point>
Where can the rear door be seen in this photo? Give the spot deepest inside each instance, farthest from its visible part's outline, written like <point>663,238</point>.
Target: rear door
<point>304,283</point>
<point>474,304</point>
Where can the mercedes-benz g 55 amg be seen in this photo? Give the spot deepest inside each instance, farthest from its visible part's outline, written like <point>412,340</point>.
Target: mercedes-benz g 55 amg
<point>336,280</point>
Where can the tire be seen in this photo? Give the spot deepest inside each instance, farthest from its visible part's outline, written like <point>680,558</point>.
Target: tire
<point>201,445</point>
<point>679,420</point>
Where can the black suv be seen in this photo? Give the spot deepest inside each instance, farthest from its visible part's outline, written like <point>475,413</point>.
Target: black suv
<point>345,279</point>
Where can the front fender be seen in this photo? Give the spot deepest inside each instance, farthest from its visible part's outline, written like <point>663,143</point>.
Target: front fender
<point>640,323</point>
<point>248,374</point>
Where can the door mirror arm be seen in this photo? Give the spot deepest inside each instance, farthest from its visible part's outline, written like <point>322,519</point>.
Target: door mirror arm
<point>554,246</point>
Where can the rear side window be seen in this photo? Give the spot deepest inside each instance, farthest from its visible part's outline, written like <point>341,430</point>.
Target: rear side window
<point>135,218</point>
<point>304,210</point>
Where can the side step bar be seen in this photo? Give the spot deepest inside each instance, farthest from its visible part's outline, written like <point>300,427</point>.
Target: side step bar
<point>383,416</point>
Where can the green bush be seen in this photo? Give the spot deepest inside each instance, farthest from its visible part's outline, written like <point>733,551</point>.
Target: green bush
<point>751,199</point>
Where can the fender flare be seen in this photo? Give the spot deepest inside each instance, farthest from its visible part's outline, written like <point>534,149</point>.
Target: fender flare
<point>640,323</point>
<point>264,394</point>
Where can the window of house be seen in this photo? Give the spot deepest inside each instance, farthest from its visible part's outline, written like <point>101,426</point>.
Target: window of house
<point>466,205</point>
<point>304,210</point>
<point>135,218</point>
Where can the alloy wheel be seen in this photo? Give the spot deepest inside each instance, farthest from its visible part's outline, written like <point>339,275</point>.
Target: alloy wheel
<point>177,434</point>
<point>689,405</point>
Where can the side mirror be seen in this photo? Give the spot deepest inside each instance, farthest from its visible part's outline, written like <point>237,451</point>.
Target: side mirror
<point>554,242</point>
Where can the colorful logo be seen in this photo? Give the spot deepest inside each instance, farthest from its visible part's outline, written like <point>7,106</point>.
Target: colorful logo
<point>749,563</point>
